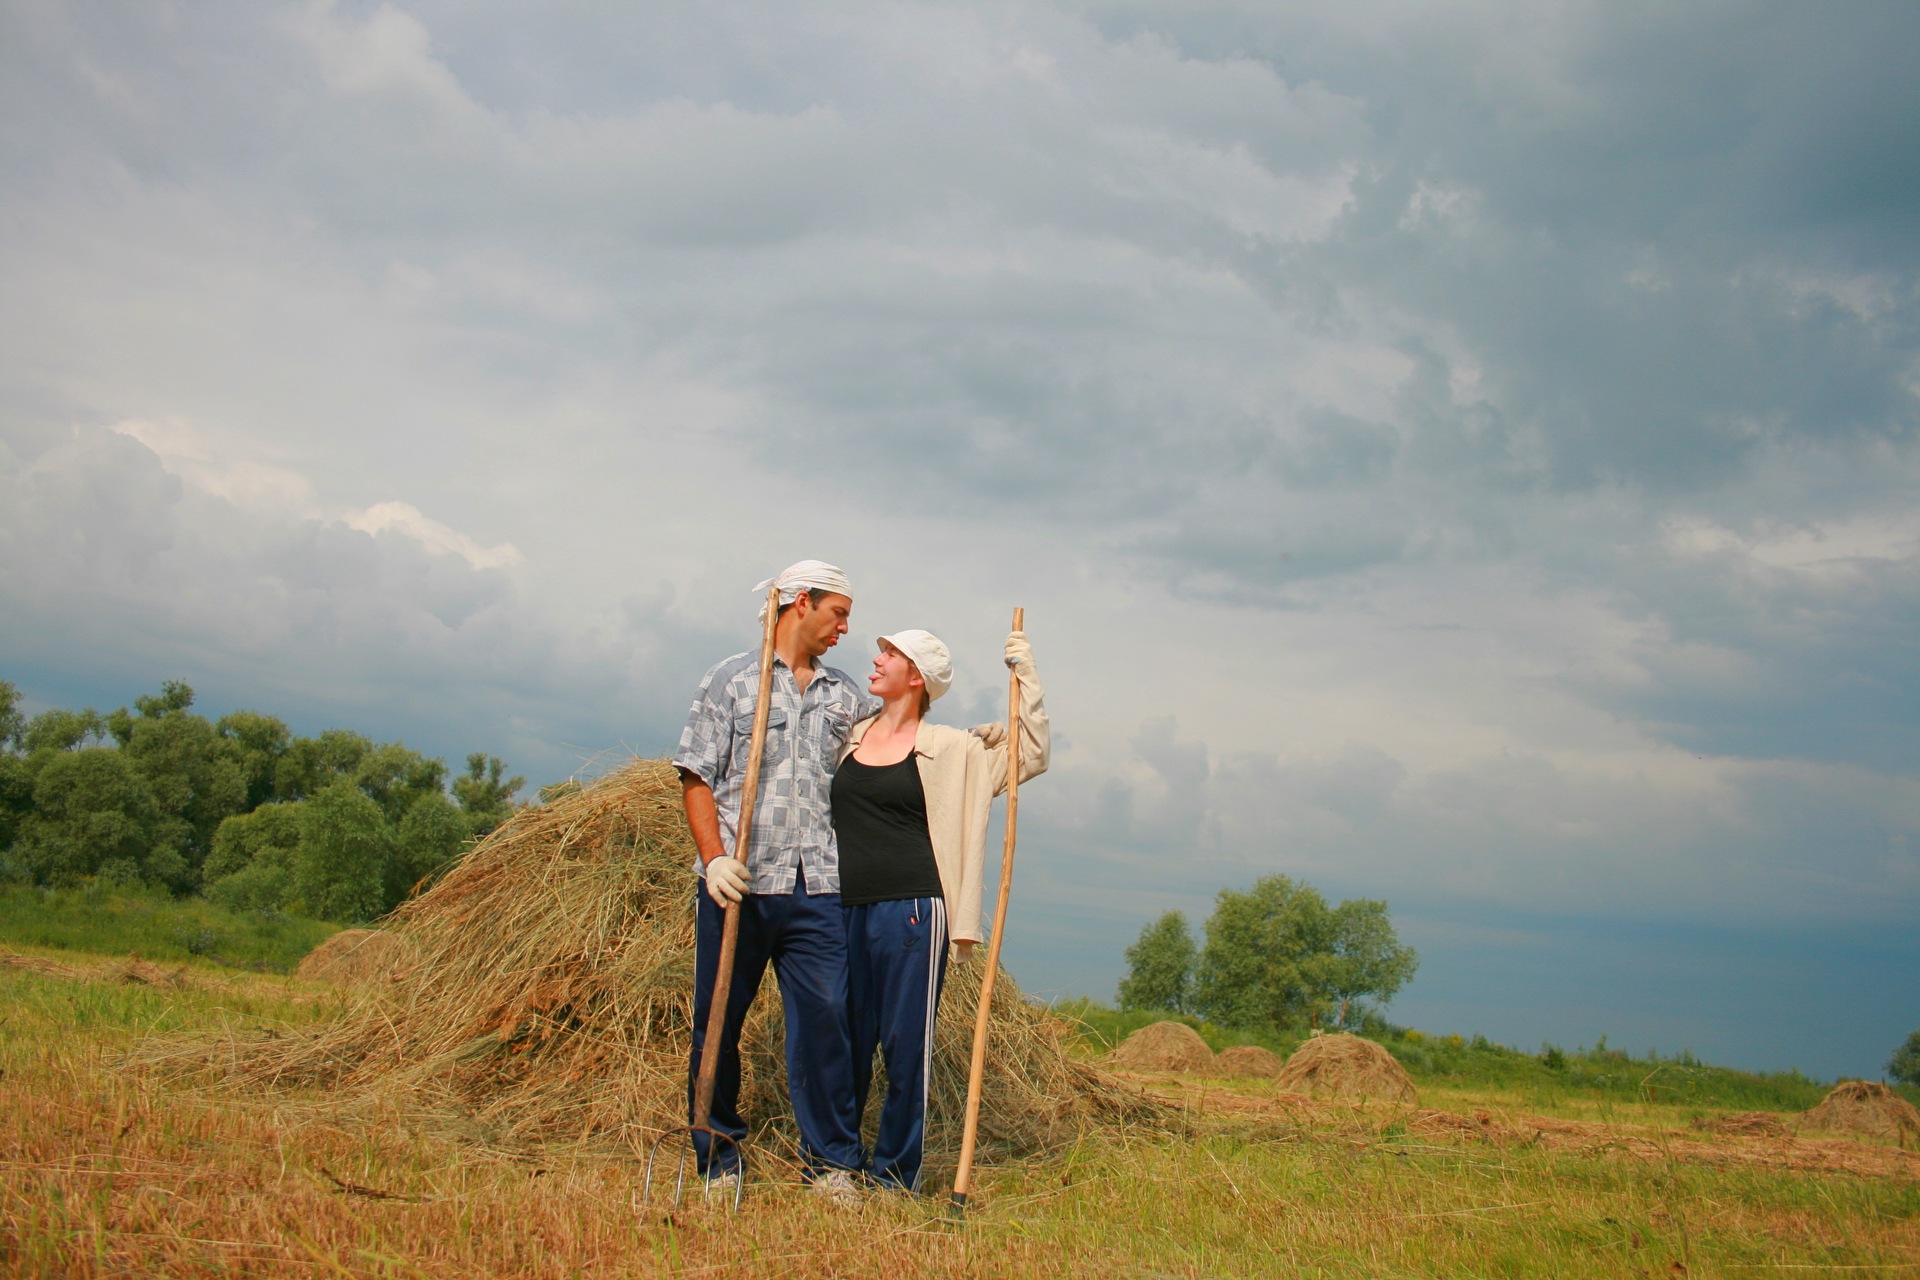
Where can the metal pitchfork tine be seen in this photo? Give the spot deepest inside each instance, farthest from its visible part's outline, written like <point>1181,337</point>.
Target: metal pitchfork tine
<point>729,940</point>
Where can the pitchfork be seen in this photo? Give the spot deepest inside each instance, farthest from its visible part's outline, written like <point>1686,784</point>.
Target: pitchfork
<point>729,940</point>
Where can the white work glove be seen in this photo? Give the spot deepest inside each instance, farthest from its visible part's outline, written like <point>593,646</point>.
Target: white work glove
<point>1019,651</point>
<point>727,881</point>
<point>962,950</point>
<point>991,734</point>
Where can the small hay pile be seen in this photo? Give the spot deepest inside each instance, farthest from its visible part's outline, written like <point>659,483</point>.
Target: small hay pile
<point>549,992</point>
<point>1249,1060</point>
<point>1752,1124</point>
<point>1866,1106</point>
<point>1346,1066</point>
<point>355,958</point>
<point>1164,1046</point>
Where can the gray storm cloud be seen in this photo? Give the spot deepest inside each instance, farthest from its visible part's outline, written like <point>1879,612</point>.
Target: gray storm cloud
<point>1458,453</point>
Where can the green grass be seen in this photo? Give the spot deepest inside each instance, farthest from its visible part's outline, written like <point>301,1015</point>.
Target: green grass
<point>1546,1079</point>
<point>155,926</point>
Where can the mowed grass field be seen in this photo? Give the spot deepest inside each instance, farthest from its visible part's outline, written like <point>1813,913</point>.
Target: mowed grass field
<point>111,1170</point>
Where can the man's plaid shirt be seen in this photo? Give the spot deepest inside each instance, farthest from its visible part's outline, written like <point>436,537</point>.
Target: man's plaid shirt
<point>793,821</point>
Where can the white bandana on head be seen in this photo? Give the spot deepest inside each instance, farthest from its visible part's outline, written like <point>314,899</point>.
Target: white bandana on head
<point>807,575</point>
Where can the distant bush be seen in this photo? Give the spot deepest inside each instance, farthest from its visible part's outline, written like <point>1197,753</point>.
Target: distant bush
<point>156,926</point>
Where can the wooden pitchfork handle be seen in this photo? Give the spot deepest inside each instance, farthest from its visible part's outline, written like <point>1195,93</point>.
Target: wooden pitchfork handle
<point>730,932</point>
<point>983,1015</point>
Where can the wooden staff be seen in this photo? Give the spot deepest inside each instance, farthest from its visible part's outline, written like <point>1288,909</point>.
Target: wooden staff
<point>964,1177</point>
<point>730,932</point>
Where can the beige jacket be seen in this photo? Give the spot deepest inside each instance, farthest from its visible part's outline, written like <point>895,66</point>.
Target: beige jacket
<point>961,775</point>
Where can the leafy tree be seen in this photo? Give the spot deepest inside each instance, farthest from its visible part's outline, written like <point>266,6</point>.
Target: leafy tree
<point>259,742</point>
<point>1160,967</point>
<point>1904,1066</point>
<point>309,765</point>
<point>251,865</point>
<point>11,723</point>
<point>485,797</point>
<point>272,830</point>
<point>16,785</point>
<point>1370,959</point>
<point>60,731</point>
<point>431,836</point>
<point>340,867</point>
<point>395,777</point>
<point>196,773</point>
<point>1268,956</point>
<point>92,815</point>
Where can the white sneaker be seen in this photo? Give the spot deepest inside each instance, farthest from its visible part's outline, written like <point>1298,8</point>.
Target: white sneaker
<point>837,1184</point>
<point>725,1185</point>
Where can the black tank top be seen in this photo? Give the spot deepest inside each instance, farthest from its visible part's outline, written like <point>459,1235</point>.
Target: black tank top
<point>880,823</point>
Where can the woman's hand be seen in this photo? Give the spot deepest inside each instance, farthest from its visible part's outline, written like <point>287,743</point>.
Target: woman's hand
<point>962,951</point>
<point>1018,649</point>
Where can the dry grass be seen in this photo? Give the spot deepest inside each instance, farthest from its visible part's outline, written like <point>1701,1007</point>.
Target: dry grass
<point>1866,1106</point>
<point>548,999</point>
<point>110,1172</point>
<point>355,958</point>
<point>1249,1060</point>
<point>1164,1046</point>
<point>1346,1066</point>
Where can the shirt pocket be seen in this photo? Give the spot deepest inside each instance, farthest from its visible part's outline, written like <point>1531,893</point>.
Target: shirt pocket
<point>743,737</point>
<point>830,728</point>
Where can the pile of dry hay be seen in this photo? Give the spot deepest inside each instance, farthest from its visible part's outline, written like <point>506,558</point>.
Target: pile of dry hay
<point>1164,1046</point>
<point>1755,1124</point>
<point>549,992</point>
<point>1346,1066</point>
<point>1249,1060</point>
<point>1865,1106</point>
<point>355,958</point>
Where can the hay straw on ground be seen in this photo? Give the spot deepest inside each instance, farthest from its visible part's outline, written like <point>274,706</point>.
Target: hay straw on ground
<point>132,971</point>
<point>1866,1106</point>
<point>1164,1046</point>
<point>1757,1124</point>
<point>1346,1066</point>
<point>550,993</point>
<point>1249,1060</point>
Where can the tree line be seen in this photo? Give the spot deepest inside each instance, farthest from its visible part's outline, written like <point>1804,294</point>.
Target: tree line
<point>1275,956</point>
<point>334,826</point>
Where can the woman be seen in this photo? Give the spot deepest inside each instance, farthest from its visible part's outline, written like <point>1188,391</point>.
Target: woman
<point>910,805</point>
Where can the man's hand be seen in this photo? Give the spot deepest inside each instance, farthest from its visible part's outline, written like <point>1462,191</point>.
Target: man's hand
<point>727,881</point>
<point>962,951</point>
<point>1018,649</point>
<point>991,734</point>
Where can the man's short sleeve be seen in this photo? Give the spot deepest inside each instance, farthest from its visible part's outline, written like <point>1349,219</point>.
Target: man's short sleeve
<point>706,744</point>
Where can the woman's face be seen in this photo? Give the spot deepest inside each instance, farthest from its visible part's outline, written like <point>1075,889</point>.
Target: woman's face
<point>893,673</point>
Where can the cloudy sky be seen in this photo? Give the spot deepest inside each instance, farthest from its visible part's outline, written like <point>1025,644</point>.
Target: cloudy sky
<point>1461,454</point>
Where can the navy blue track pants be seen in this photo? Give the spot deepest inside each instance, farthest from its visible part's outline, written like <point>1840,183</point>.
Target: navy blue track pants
<point>896,963</point>
<point>804,937</point>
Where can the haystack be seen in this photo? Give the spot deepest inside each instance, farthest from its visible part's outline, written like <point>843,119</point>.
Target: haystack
<point>1249,1060</point>
<point>1866,1106</point>
<point>355,958</point>
<point>549,992</point>
<point>1346,1066</point>
<point>1164,1046</point>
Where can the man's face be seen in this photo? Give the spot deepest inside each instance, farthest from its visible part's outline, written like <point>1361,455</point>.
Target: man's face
<point>821,625</point>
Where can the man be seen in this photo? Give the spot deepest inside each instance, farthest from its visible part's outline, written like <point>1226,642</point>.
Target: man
<point>789,887</point>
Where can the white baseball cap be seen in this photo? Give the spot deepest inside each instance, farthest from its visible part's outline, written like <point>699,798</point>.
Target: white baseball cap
<point>926,652</point>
